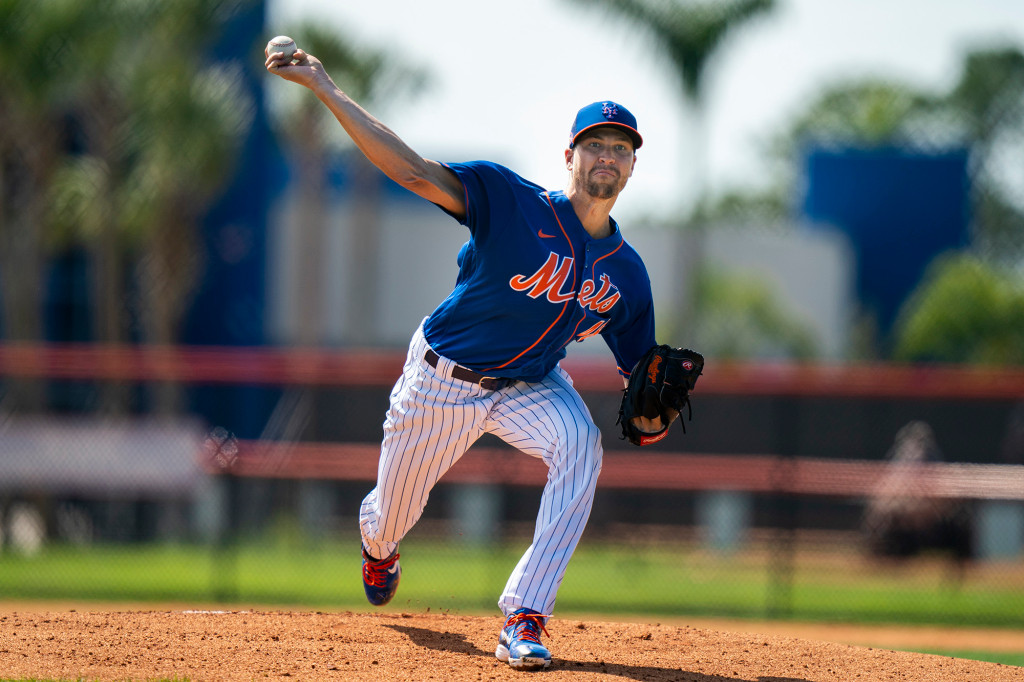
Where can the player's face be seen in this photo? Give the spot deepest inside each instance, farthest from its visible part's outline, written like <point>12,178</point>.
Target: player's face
<point>601,162</point>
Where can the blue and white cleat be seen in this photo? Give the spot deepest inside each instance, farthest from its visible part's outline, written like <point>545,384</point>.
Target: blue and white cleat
<point>519,642</point>
<point>380,577</point>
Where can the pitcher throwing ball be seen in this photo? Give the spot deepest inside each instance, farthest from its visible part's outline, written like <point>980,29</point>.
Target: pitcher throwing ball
<point>541,269</point>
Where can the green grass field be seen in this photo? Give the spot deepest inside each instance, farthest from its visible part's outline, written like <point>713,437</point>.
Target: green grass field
<point>669,582</point>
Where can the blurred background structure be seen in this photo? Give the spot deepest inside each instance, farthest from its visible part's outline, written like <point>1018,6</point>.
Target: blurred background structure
<point>206,295</point>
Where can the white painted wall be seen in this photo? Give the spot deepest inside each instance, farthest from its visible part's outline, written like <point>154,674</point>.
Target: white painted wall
<point>811,269</point>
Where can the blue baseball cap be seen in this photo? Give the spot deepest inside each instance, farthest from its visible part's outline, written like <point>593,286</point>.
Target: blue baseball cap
<point>605,114</point>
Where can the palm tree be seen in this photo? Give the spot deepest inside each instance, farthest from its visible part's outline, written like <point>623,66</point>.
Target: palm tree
<point>687,35</point>
<point>160,131</point>
<point>369,76</point>
<point>983,111</point>
<point>868,113</point>
<point>189,122</point>
<point>965,310</point>
<point>34,105</point>
<point>989,100</point>
<point>90,188</point>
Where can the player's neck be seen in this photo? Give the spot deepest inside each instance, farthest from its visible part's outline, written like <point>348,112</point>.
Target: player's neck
<point>593,213</point>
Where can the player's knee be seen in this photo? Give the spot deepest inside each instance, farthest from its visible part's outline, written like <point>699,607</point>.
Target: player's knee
<point>590,437</point>
<point>587,457</point>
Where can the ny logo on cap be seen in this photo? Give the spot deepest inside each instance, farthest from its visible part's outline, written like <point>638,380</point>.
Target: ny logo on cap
<point>609,110</point>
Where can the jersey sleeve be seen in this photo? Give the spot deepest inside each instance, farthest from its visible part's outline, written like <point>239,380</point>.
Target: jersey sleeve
<point>629,342</point>
<point>488,191</point>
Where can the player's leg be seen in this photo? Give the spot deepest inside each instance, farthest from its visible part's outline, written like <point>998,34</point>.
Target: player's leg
<point>549,420</point>
<point>431,422</point>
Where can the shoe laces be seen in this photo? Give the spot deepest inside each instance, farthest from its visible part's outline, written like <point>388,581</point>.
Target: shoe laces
<point>527,626</point>
<point>375,572</point>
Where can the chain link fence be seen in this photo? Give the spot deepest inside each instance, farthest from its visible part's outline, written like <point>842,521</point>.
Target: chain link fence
<point>873,486</point>
<point>773,518</point>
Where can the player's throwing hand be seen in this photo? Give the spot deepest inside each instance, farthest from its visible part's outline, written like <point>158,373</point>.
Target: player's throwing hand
<point>300,68</point>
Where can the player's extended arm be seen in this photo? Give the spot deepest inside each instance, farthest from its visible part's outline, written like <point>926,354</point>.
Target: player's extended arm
<point>382,147</point>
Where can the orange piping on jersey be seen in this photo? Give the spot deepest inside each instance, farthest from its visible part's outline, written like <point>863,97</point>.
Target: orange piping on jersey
<point>593,277</point>
<point>526,350</point>
<point>572,253</point>
<point>574,330</point>
<point>594,265</point>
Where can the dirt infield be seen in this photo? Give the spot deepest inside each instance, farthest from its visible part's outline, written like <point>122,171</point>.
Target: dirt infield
<point>249,645</point>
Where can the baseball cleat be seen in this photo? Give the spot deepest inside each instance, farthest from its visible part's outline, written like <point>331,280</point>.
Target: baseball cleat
<point>380,578</point>
<point>519,642</point>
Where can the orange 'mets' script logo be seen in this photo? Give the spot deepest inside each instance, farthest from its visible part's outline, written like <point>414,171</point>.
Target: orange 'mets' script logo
<point>652,369</point>
<point>552,279</point>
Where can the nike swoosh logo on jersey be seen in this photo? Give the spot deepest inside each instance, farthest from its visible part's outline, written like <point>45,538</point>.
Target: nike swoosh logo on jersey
<point>542,235</point>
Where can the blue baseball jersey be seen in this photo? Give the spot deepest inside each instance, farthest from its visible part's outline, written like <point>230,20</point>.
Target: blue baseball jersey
<point>532,280</point>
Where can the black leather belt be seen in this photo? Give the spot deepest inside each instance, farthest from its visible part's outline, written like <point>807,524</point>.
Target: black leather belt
<point>462,374</point>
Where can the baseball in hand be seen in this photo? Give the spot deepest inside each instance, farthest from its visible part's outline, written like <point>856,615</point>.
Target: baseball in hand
<point>281,44</point>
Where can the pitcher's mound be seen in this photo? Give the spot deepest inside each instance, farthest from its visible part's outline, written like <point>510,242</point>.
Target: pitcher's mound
<point>252,645</point>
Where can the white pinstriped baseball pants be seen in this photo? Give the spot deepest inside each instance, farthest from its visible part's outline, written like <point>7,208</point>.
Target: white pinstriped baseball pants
<point>432,421</point>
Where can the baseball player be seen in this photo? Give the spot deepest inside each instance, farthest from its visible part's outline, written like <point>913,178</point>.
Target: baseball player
<point>541,270</point>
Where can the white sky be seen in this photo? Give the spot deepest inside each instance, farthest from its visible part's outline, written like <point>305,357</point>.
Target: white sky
<point>508,77</point>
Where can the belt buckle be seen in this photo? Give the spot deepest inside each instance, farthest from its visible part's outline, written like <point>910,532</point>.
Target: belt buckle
<point>491,383</point>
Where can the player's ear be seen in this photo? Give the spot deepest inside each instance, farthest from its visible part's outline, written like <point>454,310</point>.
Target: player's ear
<point>568,159</point>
